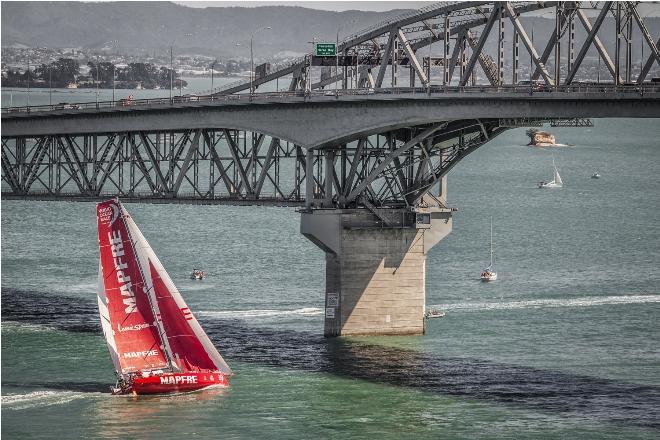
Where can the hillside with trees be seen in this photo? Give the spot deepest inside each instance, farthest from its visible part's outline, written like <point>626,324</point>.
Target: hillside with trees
<point>65,71</point>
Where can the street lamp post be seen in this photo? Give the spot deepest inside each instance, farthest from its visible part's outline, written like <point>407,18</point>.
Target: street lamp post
<point>113,82</point>
<point>97,81</point>
<point>172,66</point>
<point>252,58</point>
<point>337,55</point>
<point>212,71</point>
<point>50,85</point>
<point>308,81</point>
<point>251,66</point>
<point>28,77</point>
<point>337,62</point>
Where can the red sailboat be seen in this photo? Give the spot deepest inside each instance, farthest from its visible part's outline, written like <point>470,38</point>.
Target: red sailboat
<point>156,344</point>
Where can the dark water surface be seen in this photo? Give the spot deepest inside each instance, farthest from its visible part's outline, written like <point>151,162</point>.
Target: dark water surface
<point>566,344</point>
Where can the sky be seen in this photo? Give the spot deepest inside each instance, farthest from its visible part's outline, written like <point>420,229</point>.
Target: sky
<point>647,8</point>
<point>378,6</point>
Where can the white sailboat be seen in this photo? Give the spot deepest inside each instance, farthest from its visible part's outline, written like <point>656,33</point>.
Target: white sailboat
<point>489,274</point>
<point>556,182</point>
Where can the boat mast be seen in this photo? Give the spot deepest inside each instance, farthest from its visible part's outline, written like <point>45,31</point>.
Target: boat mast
<point>491,241</point>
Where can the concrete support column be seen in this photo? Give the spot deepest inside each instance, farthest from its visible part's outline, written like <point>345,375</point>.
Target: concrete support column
<point>375,267</point>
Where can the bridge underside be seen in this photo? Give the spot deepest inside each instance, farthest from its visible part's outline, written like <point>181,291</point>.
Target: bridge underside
<point>391,169</point>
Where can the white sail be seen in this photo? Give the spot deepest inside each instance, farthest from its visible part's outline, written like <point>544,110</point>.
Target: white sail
<point>105,321</point>
<point>557,178</point>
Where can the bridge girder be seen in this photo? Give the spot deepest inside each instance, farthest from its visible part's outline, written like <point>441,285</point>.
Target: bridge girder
<point>393,168</point>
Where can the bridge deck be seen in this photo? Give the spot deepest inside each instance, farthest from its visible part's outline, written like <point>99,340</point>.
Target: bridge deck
<point>574,91</point>
<point>319,119</point>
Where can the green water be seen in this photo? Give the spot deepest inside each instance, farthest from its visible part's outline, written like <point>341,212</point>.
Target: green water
<point>566,344</point>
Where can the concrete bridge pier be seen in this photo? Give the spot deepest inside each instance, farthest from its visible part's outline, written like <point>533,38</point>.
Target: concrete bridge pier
<point>375,269</point>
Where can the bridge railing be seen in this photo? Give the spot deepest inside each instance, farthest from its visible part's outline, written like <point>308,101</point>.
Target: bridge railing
<point>433,90</point>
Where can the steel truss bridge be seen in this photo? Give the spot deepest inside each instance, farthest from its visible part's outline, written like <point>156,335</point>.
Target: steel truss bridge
<point>350,131</point>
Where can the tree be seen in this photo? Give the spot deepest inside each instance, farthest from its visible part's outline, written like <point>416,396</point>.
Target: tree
<point>65,71</point>
<point>105,72</point>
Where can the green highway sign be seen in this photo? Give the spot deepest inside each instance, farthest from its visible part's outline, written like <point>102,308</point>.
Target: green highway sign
<point>326,49</point>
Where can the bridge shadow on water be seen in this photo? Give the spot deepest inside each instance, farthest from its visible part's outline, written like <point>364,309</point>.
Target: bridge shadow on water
<point>520,387</point>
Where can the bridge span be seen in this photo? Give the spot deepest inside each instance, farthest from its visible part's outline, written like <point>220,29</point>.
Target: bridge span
<point>367,161</point>
<point>318,120</point>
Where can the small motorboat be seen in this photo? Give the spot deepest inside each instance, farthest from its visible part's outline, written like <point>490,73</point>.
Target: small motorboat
<point>197,274</point>
<point>155,342</point>
<point>595,176</point>
<point>433,313</point>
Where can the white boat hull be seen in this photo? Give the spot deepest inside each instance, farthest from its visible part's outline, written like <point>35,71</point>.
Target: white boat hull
<point>549,185</point>
<point>489,277</point>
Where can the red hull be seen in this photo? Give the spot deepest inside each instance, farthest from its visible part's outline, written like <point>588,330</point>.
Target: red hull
<point>177,382</point>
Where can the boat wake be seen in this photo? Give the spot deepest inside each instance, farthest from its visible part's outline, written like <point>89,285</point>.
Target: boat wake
<point>482,380</point>
<point>267,313</point>
<point>39,398</point>
<point>551,303</point>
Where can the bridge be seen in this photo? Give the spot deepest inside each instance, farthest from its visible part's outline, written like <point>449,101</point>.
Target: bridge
<point>365,159</point>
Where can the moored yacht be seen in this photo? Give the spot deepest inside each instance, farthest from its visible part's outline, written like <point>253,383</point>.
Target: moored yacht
<point>556,182</point>
<point>489,274</point>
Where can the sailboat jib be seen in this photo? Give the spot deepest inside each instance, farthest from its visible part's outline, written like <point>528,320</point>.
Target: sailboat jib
<point>186,343</point>
<point>105,321</point>
<point>557,178</point>
<point>130,319</point>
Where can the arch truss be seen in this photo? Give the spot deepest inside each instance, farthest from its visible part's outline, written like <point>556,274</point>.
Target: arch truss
<point>476,43</point>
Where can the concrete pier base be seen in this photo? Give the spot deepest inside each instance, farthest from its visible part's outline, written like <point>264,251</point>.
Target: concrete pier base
<point>375,267</point>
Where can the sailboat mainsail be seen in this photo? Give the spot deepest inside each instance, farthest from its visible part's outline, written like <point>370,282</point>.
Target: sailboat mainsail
<point>557,177</point>
<point>105,321</point>
<point>131,329</point>
<point>147,324</point>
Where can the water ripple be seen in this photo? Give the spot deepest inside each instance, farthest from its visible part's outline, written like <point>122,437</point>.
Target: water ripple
<point>532,388</point>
